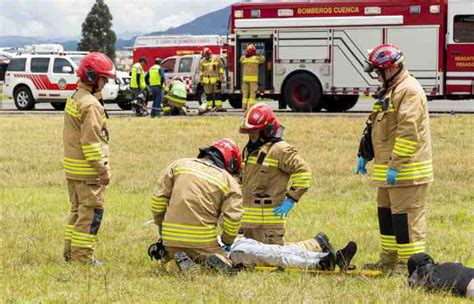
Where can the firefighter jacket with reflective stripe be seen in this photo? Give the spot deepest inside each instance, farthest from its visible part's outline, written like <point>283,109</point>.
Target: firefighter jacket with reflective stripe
<point>178,89</point>
<point>271,173</point>
<point>138,77</point>
<point>250,67</point>
<point>210,71</point>
<point>401,134</point>
<point>85,137</point>
<point>191,198</point>
<point>155,75</point>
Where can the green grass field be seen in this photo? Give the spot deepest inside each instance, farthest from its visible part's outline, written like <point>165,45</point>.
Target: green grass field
<point>35,205</point>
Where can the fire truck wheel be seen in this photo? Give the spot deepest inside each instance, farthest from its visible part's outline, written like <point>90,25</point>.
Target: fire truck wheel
<point>340,103</point>
<point>23,98</point>
<point>235,101</point>
<point>303,93</point>
<point>59,106</point>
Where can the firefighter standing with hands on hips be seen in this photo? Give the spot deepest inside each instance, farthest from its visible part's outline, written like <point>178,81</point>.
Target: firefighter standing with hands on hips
<point>398,132</point>
<point>270,164</point>
<point>86,164</point>
<point>211,73</point>
<point>191,197</point>
<point>250,63</point>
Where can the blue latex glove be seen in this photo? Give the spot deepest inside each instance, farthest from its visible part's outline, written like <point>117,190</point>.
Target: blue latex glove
<point>361,164</point>
<point>284,208</point>
<point>391,176</point>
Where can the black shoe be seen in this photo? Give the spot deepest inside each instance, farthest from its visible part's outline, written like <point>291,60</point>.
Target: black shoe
<point>345,255</point>
<point>219,264</point>
<point>185,263</point>
<point>329,261</point>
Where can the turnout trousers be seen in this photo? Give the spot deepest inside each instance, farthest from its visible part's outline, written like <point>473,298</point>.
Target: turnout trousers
<point>85,217</point>
<point>402,222</point>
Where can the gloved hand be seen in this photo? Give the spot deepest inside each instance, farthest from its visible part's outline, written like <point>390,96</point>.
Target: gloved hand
<point>361,164</point>
<point>391,176</point>
<point>284,208</point>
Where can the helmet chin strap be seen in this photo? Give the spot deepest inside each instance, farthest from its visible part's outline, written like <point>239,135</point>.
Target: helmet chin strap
<point>386,81</point>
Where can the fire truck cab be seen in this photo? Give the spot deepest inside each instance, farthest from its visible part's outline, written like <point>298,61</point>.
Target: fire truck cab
<point>315,51</point>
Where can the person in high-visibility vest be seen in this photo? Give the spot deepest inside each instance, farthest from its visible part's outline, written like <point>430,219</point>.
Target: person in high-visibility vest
<point>175,98</point>
<point>138,87</point>
<point>211,72</point>
<point>137,74</point>
<point>250,63</point>
<point>156,79</point>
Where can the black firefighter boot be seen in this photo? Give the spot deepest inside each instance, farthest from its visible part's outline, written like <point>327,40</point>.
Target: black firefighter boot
<point>345,255</point>
<point>328,262</point>
<point>185,263</point>
<point>220,264</point>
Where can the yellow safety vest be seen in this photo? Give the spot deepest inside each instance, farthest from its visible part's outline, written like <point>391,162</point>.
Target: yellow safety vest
<point>179,89</point>
<point>155,77</point>
<point>137,69</point>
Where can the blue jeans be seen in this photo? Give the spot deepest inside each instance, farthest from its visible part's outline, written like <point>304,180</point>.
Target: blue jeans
<point>157,97</point>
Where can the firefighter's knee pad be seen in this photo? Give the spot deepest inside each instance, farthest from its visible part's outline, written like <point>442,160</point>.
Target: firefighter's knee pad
<point>400,227</point>
<point>385,221</point>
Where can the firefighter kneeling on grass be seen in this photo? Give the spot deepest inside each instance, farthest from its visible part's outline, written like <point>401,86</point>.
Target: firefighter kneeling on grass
<point>192,195</point>
<point>398,133</point>
<point>274,177</point>
<point>86,162</point>
<point>175,98</point>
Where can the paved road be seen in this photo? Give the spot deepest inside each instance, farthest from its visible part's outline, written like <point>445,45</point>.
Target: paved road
<point>7,107</point>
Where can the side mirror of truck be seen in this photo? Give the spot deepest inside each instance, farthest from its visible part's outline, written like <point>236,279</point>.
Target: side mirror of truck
<point>67,69</point>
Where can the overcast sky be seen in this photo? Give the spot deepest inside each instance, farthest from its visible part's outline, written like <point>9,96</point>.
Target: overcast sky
<point>63,18</point>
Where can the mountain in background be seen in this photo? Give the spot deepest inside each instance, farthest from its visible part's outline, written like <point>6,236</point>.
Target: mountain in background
<point>214,23</point>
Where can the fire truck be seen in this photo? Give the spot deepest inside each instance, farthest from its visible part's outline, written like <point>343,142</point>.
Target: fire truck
<point>315,51</point>
<point>164,46</point>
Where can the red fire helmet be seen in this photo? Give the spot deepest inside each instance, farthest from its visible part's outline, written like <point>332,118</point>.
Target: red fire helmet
<point>384,56</point>
<point>250,50</point>
<point>93,66</point>
<point>231,154</point>
<point>206,52</point>
<point>260,117</point>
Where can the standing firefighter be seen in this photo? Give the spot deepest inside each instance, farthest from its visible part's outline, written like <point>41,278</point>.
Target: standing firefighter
<point>156,79</point>
<point>138,87</point>
<point>401,144</point>
<point>211,72</point>
<point>250,63</point>
<point>175,99</point>
<point>86,162</point>
<point>191,196</point>
<point>270,165</point>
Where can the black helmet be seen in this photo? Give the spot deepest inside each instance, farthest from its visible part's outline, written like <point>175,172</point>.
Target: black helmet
<point>158,60</point>
<point>418,260</point>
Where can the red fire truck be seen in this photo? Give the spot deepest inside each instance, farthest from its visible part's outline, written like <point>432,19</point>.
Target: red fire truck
<point>165,46</point>
<point>315,51</point>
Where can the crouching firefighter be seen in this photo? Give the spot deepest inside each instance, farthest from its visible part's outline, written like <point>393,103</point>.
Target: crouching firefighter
<point>270,165</point>
<point>191,198</point>
<point>175,98</point>
<point>398,138</point>
<point>86,164</point>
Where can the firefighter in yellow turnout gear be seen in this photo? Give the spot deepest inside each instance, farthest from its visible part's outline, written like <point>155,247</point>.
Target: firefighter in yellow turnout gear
<point>211,72</point>
<point>175,98</point>
<point>191,197</point>
<point>250,63</point>
<point>274,177</point>
<point>86,165</point>
<point>401,144</point>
